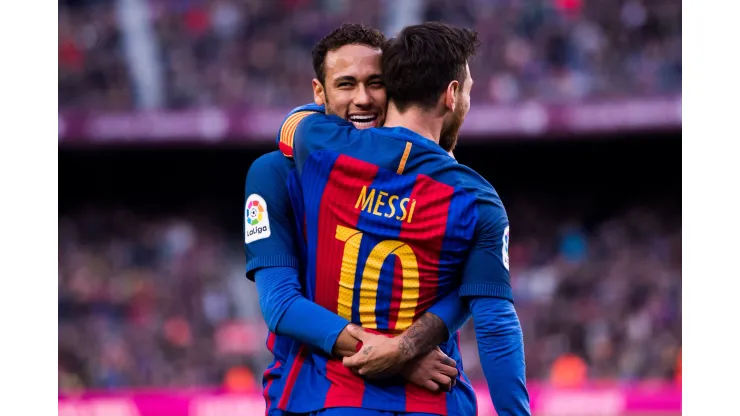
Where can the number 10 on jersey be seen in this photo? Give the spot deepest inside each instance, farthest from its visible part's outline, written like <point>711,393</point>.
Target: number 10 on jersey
<point>371,277</point>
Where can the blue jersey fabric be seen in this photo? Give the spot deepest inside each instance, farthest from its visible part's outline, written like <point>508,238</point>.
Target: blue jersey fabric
<point>275,249</point>
<point>485,271</point>
<point>333,157</point>
<point>376,261</point>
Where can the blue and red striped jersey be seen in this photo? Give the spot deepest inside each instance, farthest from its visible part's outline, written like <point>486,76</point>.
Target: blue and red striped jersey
<point>392,224</point>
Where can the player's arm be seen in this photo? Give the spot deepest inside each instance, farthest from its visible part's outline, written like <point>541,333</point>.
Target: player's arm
<point>413,354</point>
<point>307,129</point>
<point>382,356</point>
<point>286,134</point>
<point>273,262</point>
<point>486,284</point>
<point>436,326</point>
<point>286,311</point>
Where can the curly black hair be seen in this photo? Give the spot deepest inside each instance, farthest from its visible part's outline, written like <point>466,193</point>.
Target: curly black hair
<point>347,34</point>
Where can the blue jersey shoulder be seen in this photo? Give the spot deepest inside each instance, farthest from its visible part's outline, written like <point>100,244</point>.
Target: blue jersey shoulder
<point>488,202</point>
<point>428,158</point>
<point>476,184</point>
<point>271,164</point>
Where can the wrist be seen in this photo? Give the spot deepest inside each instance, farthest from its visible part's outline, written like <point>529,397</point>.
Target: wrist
<point>346,345</point>
<point>405,348</point>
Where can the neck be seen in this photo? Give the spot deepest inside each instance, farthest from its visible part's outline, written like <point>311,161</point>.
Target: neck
<point>423,123</point>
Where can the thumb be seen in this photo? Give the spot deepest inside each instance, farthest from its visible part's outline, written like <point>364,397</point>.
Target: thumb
<point>357,332</point>
<point>351,362</point>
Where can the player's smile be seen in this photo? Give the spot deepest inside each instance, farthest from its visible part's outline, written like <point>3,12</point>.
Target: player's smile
<point>364,120</point>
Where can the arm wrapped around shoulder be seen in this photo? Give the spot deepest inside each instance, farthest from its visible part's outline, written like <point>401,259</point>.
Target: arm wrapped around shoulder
<point>287,129</point>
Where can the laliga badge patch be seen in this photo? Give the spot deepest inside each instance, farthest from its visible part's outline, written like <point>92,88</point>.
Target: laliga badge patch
<point>505,248</point>
<point>256,219</point>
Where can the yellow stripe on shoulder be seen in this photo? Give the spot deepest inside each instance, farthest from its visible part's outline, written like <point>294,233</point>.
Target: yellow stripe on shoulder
<point>291,124</point>
<point>404,158</point>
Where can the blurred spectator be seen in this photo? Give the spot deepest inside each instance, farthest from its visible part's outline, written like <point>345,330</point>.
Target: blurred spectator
<point>256,52</point>
<point>568,370</point>
<point>679,366</point>
<point>240,380</point>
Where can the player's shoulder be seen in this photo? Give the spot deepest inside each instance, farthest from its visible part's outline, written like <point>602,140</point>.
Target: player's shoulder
<point>272,164</point>
<point>486,197</point>
<point>290,124</point>
<point>474,183</point>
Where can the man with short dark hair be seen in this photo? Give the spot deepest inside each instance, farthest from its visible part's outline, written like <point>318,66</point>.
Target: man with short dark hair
<point>348,82</point>
<point>393,224</point>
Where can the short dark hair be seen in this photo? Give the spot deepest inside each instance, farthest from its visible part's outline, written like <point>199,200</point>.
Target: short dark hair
<point>347,34</point>
<point>423,59</point>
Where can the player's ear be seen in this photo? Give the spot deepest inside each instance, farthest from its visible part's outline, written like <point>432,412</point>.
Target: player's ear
<point>318,92</point>
<point>451,95</point>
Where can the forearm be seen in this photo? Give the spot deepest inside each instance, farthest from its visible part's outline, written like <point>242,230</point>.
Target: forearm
<point>436,326</point>
<point>501,349</point>
<point>453,311</point>
<point>424,334</point>
<point>287,312</point>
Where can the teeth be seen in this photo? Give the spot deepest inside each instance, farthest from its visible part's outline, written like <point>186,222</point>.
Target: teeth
<point>362,118</point>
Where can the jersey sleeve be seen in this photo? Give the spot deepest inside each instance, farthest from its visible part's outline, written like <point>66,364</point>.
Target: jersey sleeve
<point>501,350</point>
<point>452,310</point>
<point>486,271</point>
<point>269,223</point>
<point>308,129</point>
<point>287,130</point>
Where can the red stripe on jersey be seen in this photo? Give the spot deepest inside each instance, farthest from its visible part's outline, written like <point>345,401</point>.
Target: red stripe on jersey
<point>396,294</point>
<point>338,200</point>
<point>420,400</point>
<point>426,232</point>
<point>286,149</point>
<point>295,370</point>
<point>346,388</point>
<point>271,342</point>
<point>266,390</point>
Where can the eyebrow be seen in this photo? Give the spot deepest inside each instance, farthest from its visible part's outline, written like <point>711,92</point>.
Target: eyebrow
<point>345,78</point>
<point>350,78</point>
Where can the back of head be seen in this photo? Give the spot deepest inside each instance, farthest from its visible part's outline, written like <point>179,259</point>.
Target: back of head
<point>422,60</point>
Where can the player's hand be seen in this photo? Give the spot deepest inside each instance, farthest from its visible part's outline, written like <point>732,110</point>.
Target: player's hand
<point>378,357</point>
<point>346,344</point>
<point>434,371</point>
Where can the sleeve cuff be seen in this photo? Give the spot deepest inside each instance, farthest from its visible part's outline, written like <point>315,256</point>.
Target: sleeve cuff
<point>280,260</point>
<point>487,290</point>
<point>337,326</point>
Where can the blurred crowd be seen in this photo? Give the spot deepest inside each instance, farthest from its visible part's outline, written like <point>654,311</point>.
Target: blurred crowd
<point>163,301</point>
<point>257,52</point>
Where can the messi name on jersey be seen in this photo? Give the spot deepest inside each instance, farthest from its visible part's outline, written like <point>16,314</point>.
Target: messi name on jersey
<point>381,203</point>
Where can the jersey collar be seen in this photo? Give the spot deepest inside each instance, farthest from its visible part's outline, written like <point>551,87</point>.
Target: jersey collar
<point>411,136</point>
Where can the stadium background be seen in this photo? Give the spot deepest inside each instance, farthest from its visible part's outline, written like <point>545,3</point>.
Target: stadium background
<point>163,105</point>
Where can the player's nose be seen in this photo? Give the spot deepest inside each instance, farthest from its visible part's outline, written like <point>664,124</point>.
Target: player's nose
<point>362,98</point>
